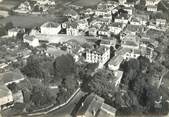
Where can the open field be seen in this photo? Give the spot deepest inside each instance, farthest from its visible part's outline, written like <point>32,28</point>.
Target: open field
<point>86,3</point>
<point>29,20</point>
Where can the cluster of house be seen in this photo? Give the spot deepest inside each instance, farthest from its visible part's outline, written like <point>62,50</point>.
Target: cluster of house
<point>7,95</point>
<point>108,20</point>
<point>34,6</point>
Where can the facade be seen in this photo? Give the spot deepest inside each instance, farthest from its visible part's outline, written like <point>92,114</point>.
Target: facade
<point>116,28</point>
<point>152,2</point>
<point>161,22</point>
<point>6,99</point>
<point>50,28</point>
<point>122,18</point>
<point>13,32</point>
<point>98,55</point>
<point>94,106</point>
<point>152,8</point>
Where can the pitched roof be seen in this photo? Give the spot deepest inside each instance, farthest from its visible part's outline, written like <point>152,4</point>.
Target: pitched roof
<point>116,60</point>
<point>91,105</point>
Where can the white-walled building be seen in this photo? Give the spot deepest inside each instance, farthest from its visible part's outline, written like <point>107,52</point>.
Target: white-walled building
<point>152,8</point>
<point>152,2</point>
<point>98,55</point>
<point>122,18</point>
<point>14,31</point>
<point>161,22</point>
<point>6,99</point>
<point>50,28</point>
<point>31,40</point>
<point>72,28</point>
<point>116,28</point>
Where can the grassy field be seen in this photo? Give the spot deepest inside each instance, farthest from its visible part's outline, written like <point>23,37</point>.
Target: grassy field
<point>29,21</point>
<point>87,3</point>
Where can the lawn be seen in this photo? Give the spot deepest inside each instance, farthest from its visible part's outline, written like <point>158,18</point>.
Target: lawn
<point>87,3</point>
<point>29,21</point>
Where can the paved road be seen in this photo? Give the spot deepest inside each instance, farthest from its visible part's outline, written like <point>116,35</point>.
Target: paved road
<point>66,110</point>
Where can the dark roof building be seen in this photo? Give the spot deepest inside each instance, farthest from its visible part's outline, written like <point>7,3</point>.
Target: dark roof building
<point>94,106</point>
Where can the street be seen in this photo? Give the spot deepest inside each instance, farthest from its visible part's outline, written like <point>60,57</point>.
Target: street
<point>66,110</point>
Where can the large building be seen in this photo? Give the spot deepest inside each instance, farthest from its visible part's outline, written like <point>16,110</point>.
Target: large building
<point>94,106</point>
<point>152,2</point>
<point>50,28</point>
<point>6,99</point>
<point>98,54</point>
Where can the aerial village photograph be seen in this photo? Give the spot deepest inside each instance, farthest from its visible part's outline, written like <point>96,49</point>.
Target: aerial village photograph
<point>84,58</point>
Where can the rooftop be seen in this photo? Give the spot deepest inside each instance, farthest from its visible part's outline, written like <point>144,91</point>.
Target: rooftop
<point>116,24</point>
<point>116,60</point>
<point>98,50</point>
<point>91,104</point>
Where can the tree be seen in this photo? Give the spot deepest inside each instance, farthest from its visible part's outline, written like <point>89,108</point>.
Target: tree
<point>102,83</point>
<point>9,25</point>
<point>64,65</point>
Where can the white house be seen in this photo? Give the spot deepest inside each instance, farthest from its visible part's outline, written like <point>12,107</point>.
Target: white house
<point>99,55</point>
<point>83,25</point>
<point>31,40</point>
<point>122,2</point>
<point>152,8</point>
<point>116,28</point>
<point>104,31</point>
<point>13,32</point>
<point>50,28</point>
<point>114,63</point>
<point>93,31</point>
<point>6,99</point>
<point>102,12</point>
<point>122,18</point>
<point>152,2</point>
<point>161,22</point>
<point>72,28</point>
<point>130,41</point>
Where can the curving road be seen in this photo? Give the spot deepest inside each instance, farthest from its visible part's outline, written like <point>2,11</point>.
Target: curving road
<point>66,110</point>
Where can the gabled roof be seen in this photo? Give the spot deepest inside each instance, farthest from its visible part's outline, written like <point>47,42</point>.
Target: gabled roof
<point>91,105</point>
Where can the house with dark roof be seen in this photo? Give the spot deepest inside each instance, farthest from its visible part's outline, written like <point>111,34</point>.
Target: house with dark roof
<point>94,106</point>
